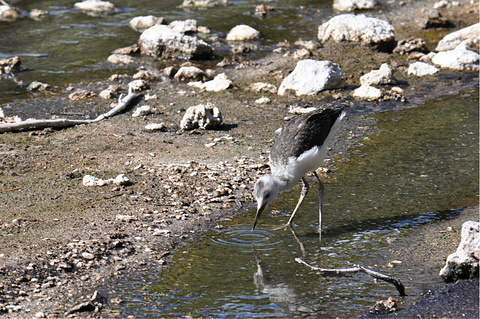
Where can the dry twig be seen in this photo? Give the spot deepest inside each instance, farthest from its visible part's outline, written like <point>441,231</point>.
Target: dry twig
<point>10,190</point>
<point>33,124</point>
<point>355,269</point>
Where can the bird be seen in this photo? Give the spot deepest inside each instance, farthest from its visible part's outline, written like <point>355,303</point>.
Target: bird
<point>299,148</point>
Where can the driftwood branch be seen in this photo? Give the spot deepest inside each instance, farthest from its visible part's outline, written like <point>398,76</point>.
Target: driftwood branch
<point>33,124</point>
<point>356,269</point>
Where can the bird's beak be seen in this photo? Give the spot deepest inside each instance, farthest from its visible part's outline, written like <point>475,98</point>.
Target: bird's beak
<point>259,211</point>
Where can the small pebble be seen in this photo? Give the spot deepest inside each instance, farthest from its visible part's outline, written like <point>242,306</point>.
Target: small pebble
<point>88,256</point>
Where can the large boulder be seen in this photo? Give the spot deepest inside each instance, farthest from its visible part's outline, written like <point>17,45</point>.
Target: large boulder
<point>470,34</point>
<point>463,264</point>
<point>458,59</point>
<point>312,76</point>
<point>162,41</point>
<point>358,28</point>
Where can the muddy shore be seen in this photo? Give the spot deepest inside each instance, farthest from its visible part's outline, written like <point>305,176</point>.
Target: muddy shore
<point>61,241</point>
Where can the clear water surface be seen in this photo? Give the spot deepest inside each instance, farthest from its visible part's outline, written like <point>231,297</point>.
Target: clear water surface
<point>69,46</point>
<point>421,168</point>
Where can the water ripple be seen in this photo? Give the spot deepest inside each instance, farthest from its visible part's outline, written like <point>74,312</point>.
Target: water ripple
<point>243,236</point>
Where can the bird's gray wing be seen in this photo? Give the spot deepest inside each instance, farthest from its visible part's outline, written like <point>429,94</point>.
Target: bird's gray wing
<point>302,134</point>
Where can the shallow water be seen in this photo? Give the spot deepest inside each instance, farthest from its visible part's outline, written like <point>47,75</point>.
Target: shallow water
<point>420,168</point>
<point>69,46</point>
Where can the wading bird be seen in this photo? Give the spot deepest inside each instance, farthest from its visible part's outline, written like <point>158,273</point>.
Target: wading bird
<point>298,149</point>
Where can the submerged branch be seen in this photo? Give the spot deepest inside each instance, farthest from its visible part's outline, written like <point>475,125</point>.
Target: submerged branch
<point>33,124</point>
<point>356,269</point>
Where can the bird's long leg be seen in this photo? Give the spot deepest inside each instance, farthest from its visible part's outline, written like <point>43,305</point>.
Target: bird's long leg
<point>320,202</point>
<point>300,200</point>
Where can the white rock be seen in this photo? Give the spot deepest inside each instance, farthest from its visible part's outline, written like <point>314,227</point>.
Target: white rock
<point>301,53</point>
<point>189,73</point>
<point>157,35</point>
<point>142,23</point>
<point>155,126</point>
<point>458,59</point>
<point>203,29</point>
<point>204,116</point>
<point>125,218</point>
<point>189,25</point>
<point>146,74</point>
<point>312,76</point>
<point>210,145</point>
<point>89,180</point>
<point>161,40</point>
<point>106,94</point>
<point>242,32</point>
<point>367,92</point>
<point>88,256</point>
<point>138,85</point>
<point>161,232</point>
<point>300,110</point>
<point>121,179</point>
<point>463,264</point>
<point>110,92</point>
<point>263,100</point>
<point>421,69</point>
<point>440,4</point>
<point>219,83</point>
<point>262,87</point>
<point>358,28</point>
<point>120,59</point>
<point>95,5</point>
<point>143,110</point>
<point>37,86</point>
<point>149,97</point>
<point>200,3</point>
<point>452,40</point>
<point>352,5</point>
<point>382,76</point>
<point>8,13</point>
<point>196,84</point>
<point>36,14</point>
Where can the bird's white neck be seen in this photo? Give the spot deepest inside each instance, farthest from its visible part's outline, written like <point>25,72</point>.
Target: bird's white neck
<point>282,181</point>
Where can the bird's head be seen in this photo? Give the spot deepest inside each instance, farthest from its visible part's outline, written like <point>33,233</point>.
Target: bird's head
<point>265,191</point>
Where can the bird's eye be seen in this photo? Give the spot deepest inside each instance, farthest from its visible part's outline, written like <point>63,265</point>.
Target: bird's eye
<point>267,195</point>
